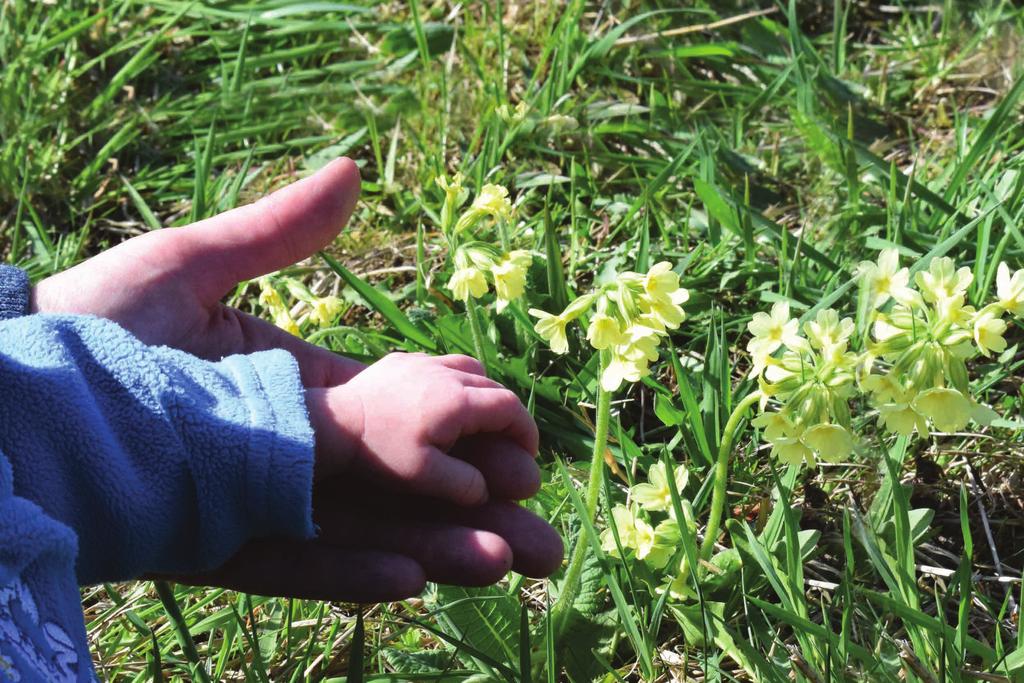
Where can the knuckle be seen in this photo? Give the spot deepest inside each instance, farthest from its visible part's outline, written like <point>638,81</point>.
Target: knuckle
<point>419,466</point>
<point>509,401</point>
<point>457,402</point>
<point>468,487</point>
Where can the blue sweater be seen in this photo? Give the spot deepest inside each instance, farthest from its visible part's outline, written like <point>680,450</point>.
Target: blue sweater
<point>117,458</point>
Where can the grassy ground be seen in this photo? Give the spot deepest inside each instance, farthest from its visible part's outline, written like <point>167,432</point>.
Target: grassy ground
<point>764,148</point>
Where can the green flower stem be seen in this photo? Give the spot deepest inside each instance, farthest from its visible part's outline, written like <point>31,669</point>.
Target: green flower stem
<point>722,474</point>
<point>477,334</point>
<point>571,585</point>
<point>506,242</point>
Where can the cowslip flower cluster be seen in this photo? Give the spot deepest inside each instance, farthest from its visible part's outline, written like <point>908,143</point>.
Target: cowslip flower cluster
<point>477,264</point>
<point>480,264</point>
<point>513,116</point>
<point>809,378</point>
<point>922,339</point>
<point>271,300</point>
<point>321,311</point>
<point>455,195</point>
<point>632,316</point>
<point>491,202</point>
<point>913,371</point>
<point>653,544</point>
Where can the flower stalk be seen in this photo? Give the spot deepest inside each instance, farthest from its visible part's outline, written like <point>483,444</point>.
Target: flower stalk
<point>476,333</point>
<point>722,474</point>
<point>571,586</point>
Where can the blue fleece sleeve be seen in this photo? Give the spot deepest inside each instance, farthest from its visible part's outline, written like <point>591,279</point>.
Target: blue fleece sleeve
<point>42,633</point>
<point>158,461</point>
<point>117,458</point>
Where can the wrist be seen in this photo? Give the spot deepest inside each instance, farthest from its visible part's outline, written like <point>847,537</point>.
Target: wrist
<point>337,418</point>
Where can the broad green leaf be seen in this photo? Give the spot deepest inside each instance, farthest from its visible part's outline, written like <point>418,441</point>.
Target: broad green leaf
<point>485,618</point>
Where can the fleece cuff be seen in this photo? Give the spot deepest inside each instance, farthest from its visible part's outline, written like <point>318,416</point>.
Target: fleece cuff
<point>14,289</point>
<point>279,468</point>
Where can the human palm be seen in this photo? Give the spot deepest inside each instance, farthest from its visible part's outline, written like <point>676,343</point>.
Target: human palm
<point>377,542</point>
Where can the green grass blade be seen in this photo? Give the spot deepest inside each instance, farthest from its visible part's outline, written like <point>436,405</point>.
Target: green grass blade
<point>387,308</point>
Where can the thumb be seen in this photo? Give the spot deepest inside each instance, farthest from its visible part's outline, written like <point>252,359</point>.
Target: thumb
<point>272,233</point>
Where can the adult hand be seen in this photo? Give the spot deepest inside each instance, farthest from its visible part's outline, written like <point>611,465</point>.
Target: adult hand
<point>376,541</point>
<point>166,286</point>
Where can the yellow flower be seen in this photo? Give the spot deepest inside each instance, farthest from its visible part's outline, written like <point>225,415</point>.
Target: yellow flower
<point>604,332</point>
<point>828,333</point>
<point>510,277</point>
<point>884,329</point>
<point>772,332</point>
<point>886,279</point>
<point>791,369</point>
<point>666,311</point>
<point>631,357</point>
<point>790,450</point>
<point>622,369</point>
<point>784,438</point>
<point>953,310</point>
<point>454,196</point>
<point>453,188</point>
<point>512,116</point>
<point>579,306</point>
<point>900,417</point>
<point>662,295</point>
<point>666,542</point>
<point>284,320</point>
<point>625,524</point>
<point>775,425</point>
<point>661,280</point>
<point>474,256</point>
<point>948,409</point>
<point>884,388</point>
<point>989,328</point>
<point>678,586</point>
<point>643,539</point>
<point>324,310</point>
<point>941,281</point>
<point>982,414</point>
<point>551,328</point>
<point>830,441</point>
<point>493,201</point>
<point>634,533</point>
<point>650,321</point>
<point>641,341</point>
<point>655,494</point>
<point>1010,290</point>
<point>269,296</point>
<point>795,444</point>
<point>467,282</point>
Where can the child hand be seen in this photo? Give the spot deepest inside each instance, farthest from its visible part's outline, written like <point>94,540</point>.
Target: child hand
<point>399,419</point>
